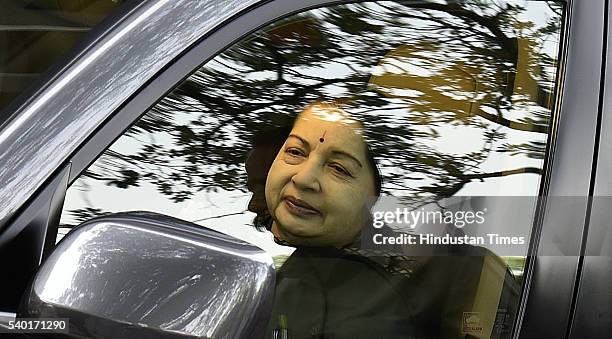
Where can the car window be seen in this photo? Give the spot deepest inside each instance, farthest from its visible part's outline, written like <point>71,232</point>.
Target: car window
<point>332,137</point>
<point>35,34</point>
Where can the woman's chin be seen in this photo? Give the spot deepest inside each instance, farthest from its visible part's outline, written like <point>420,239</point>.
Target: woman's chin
<point>298,232</point>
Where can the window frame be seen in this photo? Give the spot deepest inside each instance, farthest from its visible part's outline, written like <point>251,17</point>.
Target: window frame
<point>549,296</point>
<point>594,272</point>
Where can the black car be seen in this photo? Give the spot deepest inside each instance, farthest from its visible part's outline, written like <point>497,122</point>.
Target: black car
<point>126,209</point>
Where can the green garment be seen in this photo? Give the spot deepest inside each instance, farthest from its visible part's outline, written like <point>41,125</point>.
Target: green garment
<point>344,293</point>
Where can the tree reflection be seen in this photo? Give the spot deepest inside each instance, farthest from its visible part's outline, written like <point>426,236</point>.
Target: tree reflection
<point>412,70</point>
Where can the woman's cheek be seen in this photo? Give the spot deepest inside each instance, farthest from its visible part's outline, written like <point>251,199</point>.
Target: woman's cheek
<point>274,189</point>
<point>271,199</point>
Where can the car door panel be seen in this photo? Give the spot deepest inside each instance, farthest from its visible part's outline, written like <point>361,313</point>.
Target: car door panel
<point>592,316</point>
<point>554,268</point>
<point>31,238</point>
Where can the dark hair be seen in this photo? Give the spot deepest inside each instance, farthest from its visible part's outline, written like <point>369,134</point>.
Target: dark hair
<point>375,170</point>
<point>271,140</point>
<point>273,137</point>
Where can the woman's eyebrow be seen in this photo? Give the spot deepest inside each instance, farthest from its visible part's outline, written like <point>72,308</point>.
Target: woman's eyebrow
<point>301,139</point>
<point>347,155</point>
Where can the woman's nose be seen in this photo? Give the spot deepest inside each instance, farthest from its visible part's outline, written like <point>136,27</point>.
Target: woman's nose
<point>308,176</point>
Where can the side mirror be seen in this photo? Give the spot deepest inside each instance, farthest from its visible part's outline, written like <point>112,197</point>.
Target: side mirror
<point>145,275</point>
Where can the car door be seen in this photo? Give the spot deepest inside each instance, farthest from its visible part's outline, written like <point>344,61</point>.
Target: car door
<point>166,137</point>
<point>61,113</point>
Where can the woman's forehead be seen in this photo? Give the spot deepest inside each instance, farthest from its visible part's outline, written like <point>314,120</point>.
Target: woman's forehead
<point>328,117</point>
<point>336,134</point>
<point>329,112</point>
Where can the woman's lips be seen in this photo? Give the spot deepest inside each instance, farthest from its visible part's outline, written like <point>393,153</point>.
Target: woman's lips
<point>300,207</point>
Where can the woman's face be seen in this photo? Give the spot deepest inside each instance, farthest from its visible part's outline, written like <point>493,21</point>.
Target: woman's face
<point>320,183</point>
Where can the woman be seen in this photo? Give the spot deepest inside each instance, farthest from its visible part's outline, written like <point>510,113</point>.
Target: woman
<point>319,191</point>
<point>323,181</point>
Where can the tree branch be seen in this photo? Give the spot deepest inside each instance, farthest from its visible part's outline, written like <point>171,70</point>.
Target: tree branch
<point>498,119</point>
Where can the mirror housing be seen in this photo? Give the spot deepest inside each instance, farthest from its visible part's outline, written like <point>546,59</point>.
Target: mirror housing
<point>146,275</point>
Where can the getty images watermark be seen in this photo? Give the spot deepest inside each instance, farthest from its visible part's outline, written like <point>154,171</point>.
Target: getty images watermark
<point>458,219</point>
<point>454,221</point>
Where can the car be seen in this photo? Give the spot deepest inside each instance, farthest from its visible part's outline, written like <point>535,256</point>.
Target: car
<point>124,194</point>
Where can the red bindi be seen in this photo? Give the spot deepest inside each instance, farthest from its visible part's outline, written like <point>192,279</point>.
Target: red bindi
<point>322,138</point>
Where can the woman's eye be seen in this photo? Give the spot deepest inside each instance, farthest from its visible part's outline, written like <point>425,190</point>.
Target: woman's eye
<point>294,152</point>
<point>294,156</point>
<point>341,170</point>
